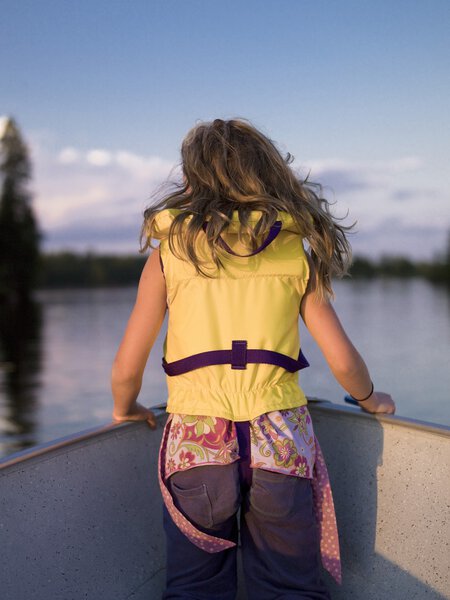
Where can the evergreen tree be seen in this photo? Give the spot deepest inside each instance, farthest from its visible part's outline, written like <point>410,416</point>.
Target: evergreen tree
<point>19,235</point>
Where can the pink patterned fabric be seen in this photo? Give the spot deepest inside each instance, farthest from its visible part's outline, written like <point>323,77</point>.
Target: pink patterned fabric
<point>281,441</point>
<point>197,440</point>
<point>326,518</point>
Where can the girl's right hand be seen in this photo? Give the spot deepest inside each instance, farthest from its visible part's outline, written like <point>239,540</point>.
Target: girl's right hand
<point>136,413</point>
<point>378,402</point>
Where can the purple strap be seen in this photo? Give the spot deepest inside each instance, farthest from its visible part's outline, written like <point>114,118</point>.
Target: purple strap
<point>239,356</point>
<point>274,231</point>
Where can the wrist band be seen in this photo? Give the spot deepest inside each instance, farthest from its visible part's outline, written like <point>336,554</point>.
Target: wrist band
<point>366,398</point>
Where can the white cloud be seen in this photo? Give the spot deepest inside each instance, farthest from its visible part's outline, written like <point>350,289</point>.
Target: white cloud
<point>141,166</point>
<point>68,156</point>
<point>393,237</point>
<point>406,163</point>
<point>91,189</point>
<point>99,158</point>
<point>373,191</point>
<point>369,173</point>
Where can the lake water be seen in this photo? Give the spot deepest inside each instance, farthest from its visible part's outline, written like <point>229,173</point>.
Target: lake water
<point>54,379</point>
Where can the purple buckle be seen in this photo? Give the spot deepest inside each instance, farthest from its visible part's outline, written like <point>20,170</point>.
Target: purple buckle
<point>239,354</point>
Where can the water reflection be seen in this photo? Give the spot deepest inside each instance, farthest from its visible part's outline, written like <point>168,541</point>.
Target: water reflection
<point>20,367</point>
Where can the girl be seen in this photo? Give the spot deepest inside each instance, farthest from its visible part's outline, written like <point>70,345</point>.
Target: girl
<point>232,270</point>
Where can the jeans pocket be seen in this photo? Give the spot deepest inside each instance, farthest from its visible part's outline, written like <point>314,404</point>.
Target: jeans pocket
<point>274,495</point>
<point>224,492</point>
<point>193,502</point>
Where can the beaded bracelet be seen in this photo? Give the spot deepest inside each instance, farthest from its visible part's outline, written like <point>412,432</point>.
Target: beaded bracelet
<point>366,398</point>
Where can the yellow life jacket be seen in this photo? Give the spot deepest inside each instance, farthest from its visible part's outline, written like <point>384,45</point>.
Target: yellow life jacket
<point>232,347</point>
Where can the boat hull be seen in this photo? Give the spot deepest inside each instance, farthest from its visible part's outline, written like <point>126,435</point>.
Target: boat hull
<point>81,517</point>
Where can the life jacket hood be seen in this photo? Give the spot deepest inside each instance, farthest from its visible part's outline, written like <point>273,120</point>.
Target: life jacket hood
<point>164,220</point>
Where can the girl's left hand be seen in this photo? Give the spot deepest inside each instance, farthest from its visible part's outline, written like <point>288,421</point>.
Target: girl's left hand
<point>137,413</point>
<point>379,402</point>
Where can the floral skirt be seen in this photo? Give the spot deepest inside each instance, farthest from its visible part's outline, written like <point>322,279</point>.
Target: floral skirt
<point>281,441</point>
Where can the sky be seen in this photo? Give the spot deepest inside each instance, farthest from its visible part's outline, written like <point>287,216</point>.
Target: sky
<point>358,91</point>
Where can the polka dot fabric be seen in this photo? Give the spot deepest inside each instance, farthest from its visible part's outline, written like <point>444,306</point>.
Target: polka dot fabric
<point>326,517</point>
<point>323,504</point>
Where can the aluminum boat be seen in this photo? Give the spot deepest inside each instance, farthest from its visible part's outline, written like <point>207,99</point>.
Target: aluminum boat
<point>81,515</point>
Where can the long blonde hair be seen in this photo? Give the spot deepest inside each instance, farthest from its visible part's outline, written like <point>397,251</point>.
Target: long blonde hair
<point>230,165</point>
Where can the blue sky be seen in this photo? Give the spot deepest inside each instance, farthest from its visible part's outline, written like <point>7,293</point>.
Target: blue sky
<point>358,91</point>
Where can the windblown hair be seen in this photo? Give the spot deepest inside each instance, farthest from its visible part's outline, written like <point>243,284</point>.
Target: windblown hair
<point>230,165</point>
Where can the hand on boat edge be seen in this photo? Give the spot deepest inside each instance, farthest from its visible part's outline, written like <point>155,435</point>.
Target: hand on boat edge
<point>137,413</point>
<point>379,402</point>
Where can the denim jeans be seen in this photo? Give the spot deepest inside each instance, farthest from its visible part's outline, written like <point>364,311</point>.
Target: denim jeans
<point>278,534</point>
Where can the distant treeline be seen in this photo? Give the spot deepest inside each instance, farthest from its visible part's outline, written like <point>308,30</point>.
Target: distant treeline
<point>401,267</point>
<point>66,269</point>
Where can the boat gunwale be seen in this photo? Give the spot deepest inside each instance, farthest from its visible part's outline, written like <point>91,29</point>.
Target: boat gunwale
<point>319,404</point>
